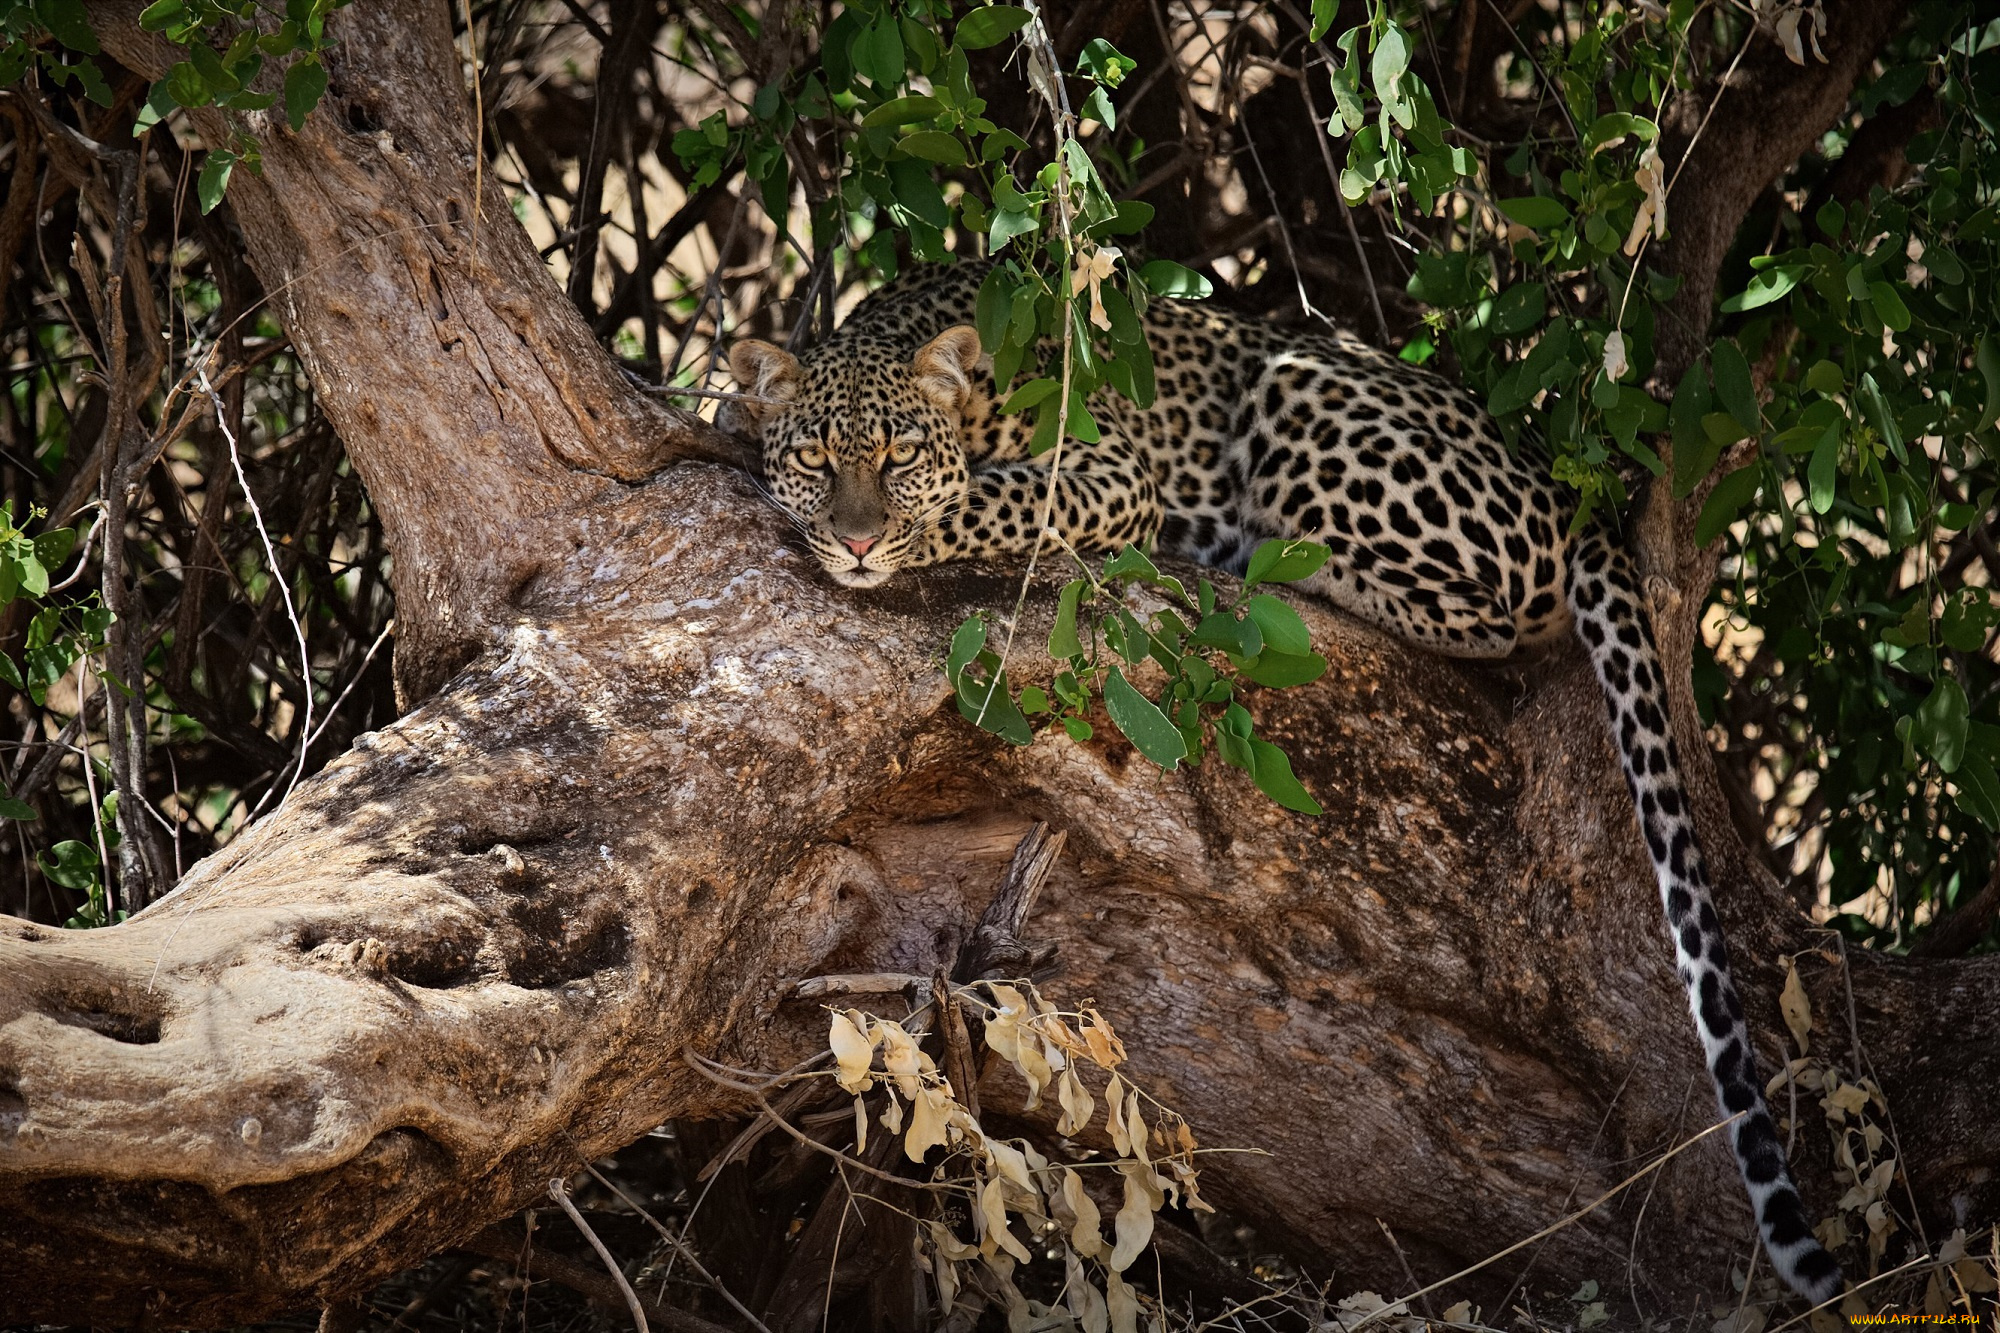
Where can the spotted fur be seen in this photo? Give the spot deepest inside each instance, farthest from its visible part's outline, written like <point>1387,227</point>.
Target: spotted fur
<point>885,446</point>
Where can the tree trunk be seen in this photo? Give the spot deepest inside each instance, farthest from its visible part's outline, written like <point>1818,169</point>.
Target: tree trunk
<point>663,771</point>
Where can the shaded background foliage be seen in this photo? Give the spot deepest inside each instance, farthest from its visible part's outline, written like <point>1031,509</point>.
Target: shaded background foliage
<point>698,170</point>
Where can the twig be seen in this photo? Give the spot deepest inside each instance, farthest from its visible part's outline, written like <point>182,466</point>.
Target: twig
<point>560,1193</point>
<point>1333,178</point>
<point>1923,1258</point>
<point>681,1248</point>
<point>859,983</point>
<point>1553,1227</point>
<point>1041,50</point>
<point>706,1068</point>
<point>1862,1062</point>
<point>277,575</point>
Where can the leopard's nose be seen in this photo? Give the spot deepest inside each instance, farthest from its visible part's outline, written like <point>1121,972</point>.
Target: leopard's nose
<point>859,545</point>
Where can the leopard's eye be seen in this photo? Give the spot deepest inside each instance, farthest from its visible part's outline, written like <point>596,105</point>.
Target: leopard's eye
<point>809,460</point>
<point>903,453</point>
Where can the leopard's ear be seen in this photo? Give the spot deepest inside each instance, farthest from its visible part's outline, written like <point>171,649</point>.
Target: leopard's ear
<point>945,366</point>
<point>762,371</point>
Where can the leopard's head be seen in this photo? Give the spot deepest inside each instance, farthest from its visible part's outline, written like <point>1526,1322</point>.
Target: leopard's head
<point>863,444</point>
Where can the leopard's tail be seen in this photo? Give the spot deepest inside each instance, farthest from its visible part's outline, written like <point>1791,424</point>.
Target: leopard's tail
<point>1609,618</point>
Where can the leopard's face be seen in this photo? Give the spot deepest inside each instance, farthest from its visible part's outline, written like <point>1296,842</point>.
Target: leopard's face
<point>864,448</point>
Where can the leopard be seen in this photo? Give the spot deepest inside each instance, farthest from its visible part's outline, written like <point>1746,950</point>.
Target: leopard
<point>887,448</point>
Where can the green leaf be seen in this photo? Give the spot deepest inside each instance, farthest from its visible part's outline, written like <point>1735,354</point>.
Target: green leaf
<point>1730,495</point>
<point>1028,395</point>
<point>1132,217</point>
<point>902,111</point>
<point>1607,129</point>
<point>1064,642</point>
<point>54,546</point>
<point>1098,107</point>
<point>213,72</point>
<point>1695,453</point>
<point>966,641</point>
<point>1008,224</point>
<point>1733,386</point>
<point>1823,471</point>
<point>1104,62</point>
<point>918,193</point>
<point>1220,629</point>
<point>1283,631</point>
<point>1163,277</point>
<point>1884,419</point>
<point>305,84</point>
<point>1271,770</point>
<point>934,146</point>
<point>878,53</point>
<point>1391,59</point>
<point>990,26</point>
<point>1766,287</point>
<point>186,86</point>
<point>1142,722</point>
<point>1519,308</point>
<point>988,706</point>
<point>71,864</point>
<point>1988,361</point>
<point>1825,378</point>
<point>1284,562</point>
<point>992,309</point>
<point>1078,729</point>
<point>1536,211</point>
<point>163,14</point>
<point>1978,789</point>
<point>13,809</point>
<point>69,24</point>
<point>214,178</point>
<point>1131,563</point>
<point>1889,306</point>
<point>1276,670</point>
<point>1941,723</point>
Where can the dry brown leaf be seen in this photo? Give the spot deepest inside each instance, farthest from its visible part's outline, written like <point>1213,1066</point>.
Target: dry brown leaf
<point>1788,36</point>
<point>853,1053</point>
<point>1083,1298</point>
<point>1034,1066</point>
<point>1788,1074</point>
<point>927,1122</point>
<point>1101,1041</point>
<point>993,1219</point>
<point>1796,1008</point>
<point>1123,1303</point>
<point>1135,1126</point>
<point>1462,1313</point>
<point>1012,1166</point>
<point>950,1246</point>
<point>1133,1226</point>
<point>1003,1029</point>
<point>1077,1104</point>
<point>899,1056</point>
<point>861,1126</point>
<point>1651,178</point>
<point>1843,1101</point>
<point>1114,1118</point>
<point>1084,1236</point>
<point>1615,364</point>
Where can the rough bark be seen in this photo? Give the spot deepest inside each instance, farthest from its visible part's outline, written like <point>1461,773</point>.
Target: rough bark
<point>675,772</point>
